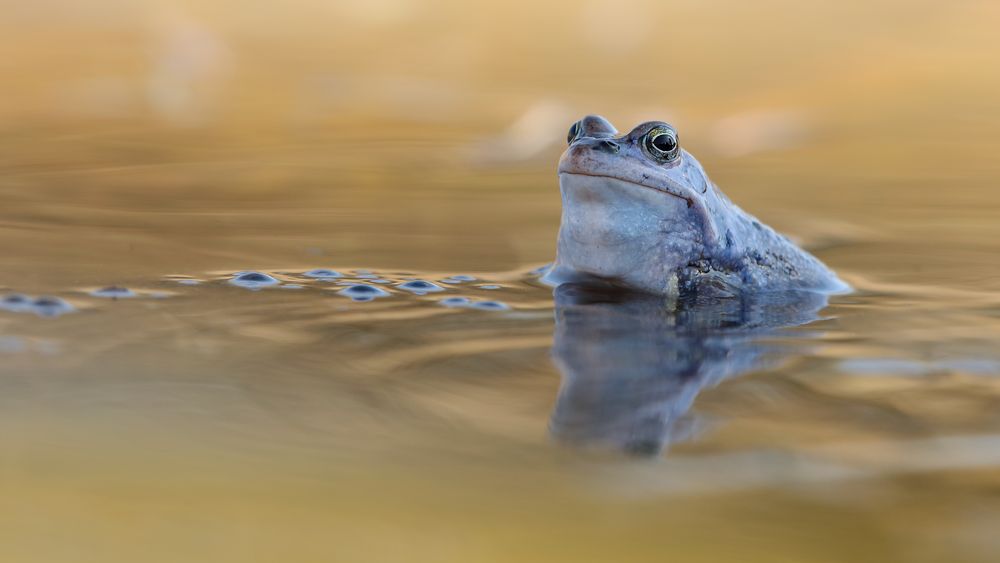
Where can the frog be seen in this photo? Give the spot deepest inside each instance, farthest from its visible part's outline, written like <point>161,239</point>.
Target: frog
<point>639,213</point>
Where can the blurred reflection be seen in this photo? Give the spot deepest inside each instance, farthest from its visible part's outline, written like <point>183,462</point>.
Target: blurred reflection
<point>751,132</point>
<point>537,129</point>
<point>632,365</point>
<point>189,67</point>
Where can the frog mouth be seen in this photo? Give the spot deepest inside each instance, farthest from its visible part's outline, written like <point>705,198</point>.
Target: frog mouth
<point>694,204</point>
<point>665,190</point>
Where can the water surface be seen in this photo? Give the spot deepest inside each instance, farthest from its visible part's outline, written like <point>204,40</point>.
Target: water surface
<point>168,414</point>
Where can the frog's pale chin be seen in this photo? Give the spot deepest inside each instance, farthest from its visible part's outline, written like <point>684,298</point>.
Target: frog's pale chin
<point>666,190</point>
<point>621,233</point>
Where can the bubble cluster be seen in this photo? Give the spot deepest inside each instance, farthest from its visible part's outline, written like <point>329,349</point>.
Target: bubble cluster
<point>358,285</point>
<point>44,306</point>
<point>363,285</point>
<point>465,302</point>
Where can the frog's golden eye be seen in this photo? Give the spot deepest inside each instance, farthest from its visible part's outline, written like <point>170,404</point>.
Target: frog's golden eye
<point>661,144</point>
<point>574,133</point>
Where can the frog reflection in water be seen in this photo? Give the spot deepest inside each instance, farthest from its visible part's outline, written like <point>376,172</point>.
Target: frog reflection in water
<point>640,213</point>
<point>664,287</point>
<point>631,367</point>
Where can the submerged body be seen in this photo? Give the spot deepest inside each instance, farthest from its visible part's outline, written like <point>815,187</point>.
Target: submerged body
<point>640,213</point>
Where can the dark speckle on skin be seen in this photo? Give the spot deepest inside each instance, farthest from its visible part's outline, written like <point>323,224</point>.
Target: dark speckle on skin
<point>703,266</point>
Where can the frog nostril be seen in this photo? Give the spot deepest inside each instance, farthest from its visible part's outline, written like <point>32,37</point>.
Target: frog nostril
<point>606,146</point>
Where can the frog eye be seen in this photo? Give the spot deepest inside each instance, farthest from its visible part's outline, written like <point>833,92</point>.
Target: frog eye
<point>574,133</point>
<point>661,144</point>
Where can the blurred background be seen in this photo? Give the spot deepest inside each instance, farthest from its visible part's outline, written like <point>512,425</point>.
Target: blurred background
<point>335,110</point>
<point>143,139</point>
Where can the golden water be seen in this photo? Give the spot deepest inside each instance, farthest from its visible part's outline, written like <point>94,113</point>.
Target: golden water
<point>142,141</point>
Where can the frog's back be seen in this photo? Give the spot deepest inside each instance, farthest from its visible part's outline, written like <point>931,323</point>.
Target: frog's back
<point>752,256</point>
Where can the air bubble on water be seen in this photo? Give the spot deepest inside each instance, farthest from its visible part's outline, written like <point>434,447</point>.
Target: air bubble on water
<point>253,280</point>
<point>420,287</point>
<point>323,274</point>
<point>113,292</point>
<point>489,286</point>
<point>15,303</point>
<point>490,306</point>
<point>51,307</point>
<point>455,302</point>
<point>363,292</point>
